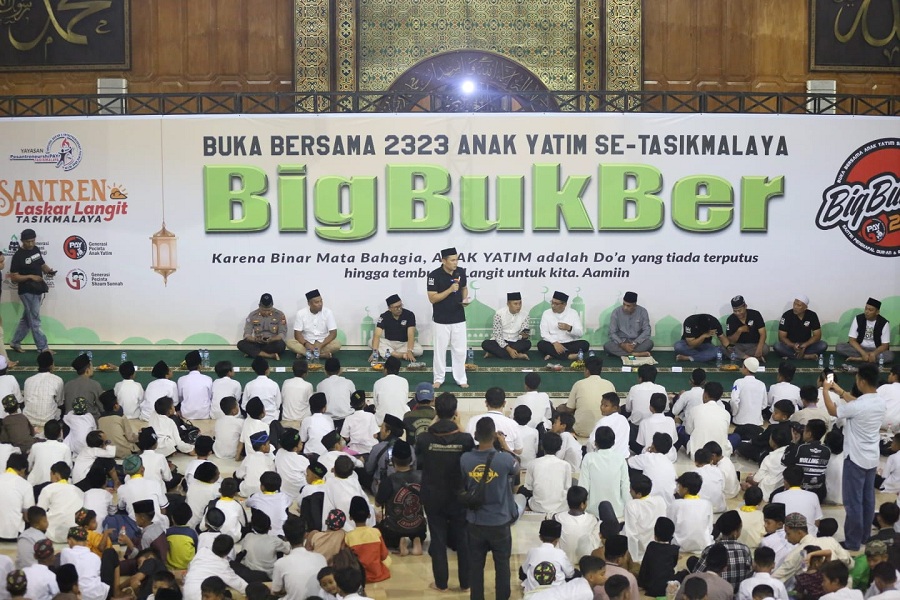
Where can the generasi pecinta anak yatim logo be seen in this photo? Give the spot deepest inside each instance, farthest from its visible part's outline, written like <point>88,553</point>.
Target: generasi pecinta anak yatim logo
<point>864,200</point>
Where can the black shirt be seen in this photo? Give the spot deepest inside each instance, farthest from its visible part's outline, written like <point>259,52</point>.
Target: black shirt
<point>438,451</point>
<point>754,321</point>
<point>396,329</point>
<point>697,325</point>
<point>28,262</point>
<point>799,331</point>
<point>658,567</point>
<point>449,310</point>
<point>813,459</point>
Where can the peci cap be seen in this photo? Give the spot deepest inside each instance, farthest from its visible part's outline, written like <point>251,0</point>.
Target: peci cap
<point>80,362</point>
<point>876,548</point>
<point>147,437</point>
<point>392,299</point>
<point>513,296</point>
<point>751,363</point>
<point>260,437</point>
<point>318,469</point>
<point>795,519</point>
<point>550,529</point>
<point>737,301</point>
<point>143,507</point>
<point>10,403</point>
<point>802,298</point>
<point>630,297</point>
<point>448,252</point>
<point>392,421</point>
<point>402,450</point>
<point>560,296</point>
<point>43,549</point>
<point>312,294</point>
<point>132,464</point>
<point>266,300</point>
<point>874,302</point>
<point>335,520</point>
<point>330,439</point>
<point>79,534</point>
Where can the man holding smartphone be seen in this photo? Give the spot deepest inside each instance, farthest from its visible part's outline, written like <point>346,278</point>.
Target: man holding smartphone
<point>862,420</point>
<point>509,337</point>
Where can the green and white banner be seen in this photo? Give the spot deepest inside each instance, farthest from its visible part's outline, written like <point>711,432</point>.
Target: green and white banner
<point>168,229</point>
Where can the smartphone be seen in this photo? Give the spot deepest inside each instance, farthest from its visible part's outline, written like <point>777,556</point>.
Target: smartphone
<point>830,378</point>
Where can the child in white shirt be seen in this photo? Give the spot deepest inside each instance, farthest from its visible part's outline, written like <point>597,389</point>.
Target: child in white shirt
<point>168,439</point>
<point>44,454</point>
<point>228,428</point>
<point>80,423</point>
<point>255,464</point>
<point>314,427</point>
<point>692,515</point>
<point>223,387</point>
<point>61,499</point>
<point>891,471</point>
<point>732,484</point>
<point>580,534</point>
<point>272,501</point>
<point>548,552</point>
<point>162,386</point>
<point>295,394</point>
<point>783,389</point>
<point>657,422</point>
<point>360,427</point>
<point>769,477</point>
<point>564,425</point>
<point>641,513</point>
<point>129,393</point>
<point>754,527</point>
<point>548,478</point>
<point>657,467</point>
<point>291,464</point>
<point>235,516</point>
<point>713,488</point>
<point>254,423</point>
<point>527,434</point>
<point>339,490</point>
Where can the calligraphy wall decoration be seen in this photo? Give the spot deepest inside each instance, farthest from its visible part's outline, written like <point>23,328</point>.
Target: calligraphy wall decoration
<point>854,35</point>
<point>63,35</point>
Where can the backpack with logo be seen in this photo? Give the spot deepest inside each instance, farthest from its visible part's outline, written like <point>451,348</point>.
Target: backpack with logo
<point>403,512</point>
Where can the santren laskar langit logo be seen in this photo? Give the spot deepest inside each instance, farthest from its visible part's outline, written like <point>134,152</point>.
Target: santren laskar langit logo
<point>864,200</point>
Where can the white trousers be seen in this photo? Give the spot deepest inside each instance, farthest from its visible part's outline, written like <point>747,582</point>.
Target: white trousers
<point>453,335</point>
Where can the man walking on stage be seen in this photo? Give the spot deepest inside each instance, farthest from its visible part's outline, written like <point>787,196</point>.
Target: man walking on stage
<point>448,295</point>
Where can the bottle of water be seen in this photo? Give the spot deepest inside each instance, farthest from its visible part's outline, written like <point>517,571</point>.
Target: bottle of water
<point>591,354</point>
<point>733,356</point>
<point>821,362</point>
<point>718,357</point>
<point>831,361</point>
<point>204,356</point>
<point>470,356</point>
<point>881,362</point>
<point>581,355</point>
<point>387,353</point>
<point>316,355</point>
<point>90,355</point>
<point>309,356</point>
<point>374,358</point>
<point>124,357</point>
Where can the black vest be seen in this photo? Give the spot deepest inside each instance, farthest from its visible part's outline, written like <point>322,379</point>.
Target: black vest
<point>876,332</point>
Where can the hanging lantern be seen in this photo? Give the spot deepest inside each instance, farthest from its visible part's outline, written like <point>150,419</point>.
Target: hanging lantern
<point>165,253</point>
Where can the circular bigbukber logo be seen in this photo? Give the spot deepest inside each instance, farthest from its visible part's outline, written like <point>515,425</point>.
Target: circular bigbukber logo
<point>75,247</point>
<point>864,200</point>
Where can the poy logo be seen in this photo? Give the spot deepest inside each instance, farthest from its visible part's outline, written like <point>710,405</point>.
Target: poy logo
<point>76,279</point>
<point>62,151</point>
<point>75,247</point>
<point>864,200</point>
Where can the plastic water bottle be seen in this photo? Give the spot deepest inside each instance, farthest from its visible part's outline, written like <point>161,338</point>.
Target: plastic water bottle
<point>90,355</point>
<point>374,358</point>
<point>881,362</point>
<point>591,354</point>
<point>309,356</point>
<point>581,355</point>
<point>470,356</point>
<point>821,362</point>
<point>205,357</point>
<point>316,355</point>
<point>831,361</point>
<point>718,357</point>
<point>387,353</point>
<point>733,356</point>
<point>124,357</point>
<point>122,531</point>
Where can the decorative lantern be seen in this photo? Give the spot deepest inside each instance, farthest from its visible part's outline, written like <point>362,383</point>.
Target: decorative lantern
<point>165,253</point>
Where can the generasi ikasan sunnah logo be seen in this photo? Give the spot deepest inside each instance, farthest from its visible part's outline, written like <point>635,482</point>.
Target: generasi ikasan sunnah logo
<point>864,200</point>
<point>56,194</point>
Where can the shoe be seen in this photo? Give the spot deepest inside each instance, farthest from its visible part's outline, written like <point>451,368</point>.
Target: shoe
<point>16,348</point>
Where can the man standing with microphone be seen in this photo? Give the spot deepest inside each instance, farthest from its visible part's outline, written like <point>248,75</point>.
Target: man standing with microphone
<point>449,295</point>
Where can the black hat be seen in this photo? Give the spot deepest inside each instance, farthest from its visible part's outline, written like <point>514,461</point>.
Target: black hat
<point>874,302</point>
<point>728,522</point>
<point>550,529</point>
<point>28,234</point>
<point>630,297</point>
<point>616,545</point>
<point>290,438</point>
<point>560,296</point>
<point>312,294</point>
<point>318,469</point>
<point>513,296</point>
<point>402,450</point>
<point>147,437</point>
<point>448,252</point>
<point>266,300</point>
<point>192,359</point>
<point>737,301</point>
<point>330,439</point>
<point>143,507</point>
<point>80,362</point>
<point>393,421</point>
<point>160,369</point>
<point>774,511</point>
<point>392,299</point>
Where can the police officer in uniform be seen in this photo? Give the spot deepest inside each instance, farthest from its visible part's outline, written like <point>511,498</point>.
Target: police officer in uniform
<point>396,329</point>
<point>448,295</point>
<point>264,331</point>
